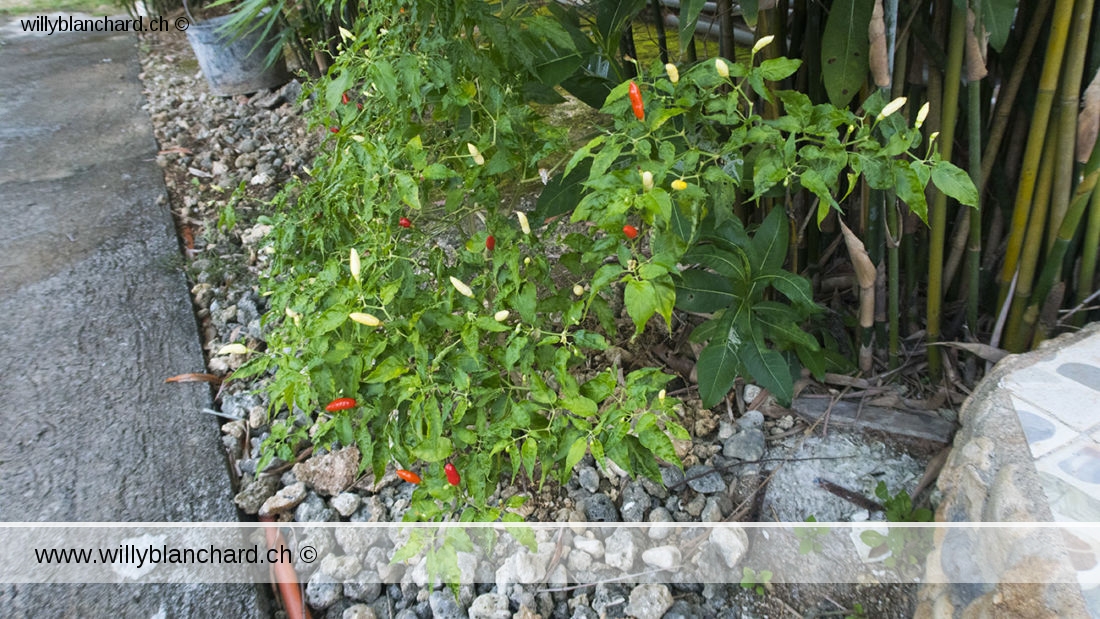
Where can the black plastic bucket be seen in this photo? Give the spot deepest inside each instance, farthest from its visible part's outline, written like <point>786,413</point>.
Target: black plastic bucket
<point>233,67</point>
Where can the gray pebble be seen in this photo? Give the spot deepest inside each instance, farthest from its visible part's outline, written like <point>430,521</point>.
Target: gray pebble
<point>704,479</point>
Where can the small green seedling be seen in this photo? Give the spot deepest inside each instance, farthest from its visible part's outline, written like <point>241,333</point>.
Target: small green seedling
<point>756,581</point>
<point>810,539</point>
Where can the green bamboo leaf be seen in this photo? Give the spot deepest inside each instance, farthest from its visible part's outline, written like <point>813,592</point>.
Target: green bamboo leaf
<point>844,49</point>
<point>689,17</point>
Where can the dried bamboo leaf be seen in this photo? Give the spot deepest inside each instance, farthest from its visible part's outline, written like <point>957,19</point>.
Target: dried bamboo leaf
<point>976,41</point>
<point>880,59</point>
<point>989,353</point>
<point>1089,120</point>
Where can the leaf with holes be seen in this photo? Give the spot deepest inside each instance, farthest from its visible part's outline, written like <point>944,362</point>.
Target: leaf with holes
<point>844,49</point>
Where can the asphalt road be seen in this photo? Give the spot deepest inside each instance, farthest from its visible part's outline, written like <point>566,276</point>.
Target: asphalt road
<point>94,315</point>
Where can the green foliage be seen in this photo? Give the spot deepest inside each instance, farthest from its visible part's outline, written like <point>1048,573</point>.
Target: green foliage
<point>759,582</point>
<point>810,538</point>
<point>478,354</point>
<point>675,174</point>
<point>908,546</point>
<point>844,49</point>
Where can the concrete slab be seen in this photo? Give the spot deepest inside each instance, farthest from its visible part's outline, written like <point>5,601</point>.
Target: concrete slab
<point>96,314</point>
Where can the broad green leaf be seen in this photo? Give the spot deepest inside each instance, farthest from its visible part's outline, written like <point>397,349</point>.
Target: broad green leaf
<point>689,16</point>
<point>389,369</point>
<point>770,241</point>
<point>562,194</point>
<point>780,324</point>
<point>336,89</point>
<point>768,368</point>
<point>579,405</point>
<point>775,69</point>
<point>909,188</point>
<point>576,452</point>
<point>583,153</point>
<point>951,180</point>
<point>600,387</point>
<point>811,180</point>
<point>385,79</point>
<point>433,449</point>
<point>407,189</point>
<point>654,438</point>
<point>613,15</point>
<point>716,370</point>
<point>528,454</point>
<point>997,18</point>
<point>726,262</point>
<point>645,298</point>
<point>794,287</point>
<point>704,292</point>
<point>844,49</point>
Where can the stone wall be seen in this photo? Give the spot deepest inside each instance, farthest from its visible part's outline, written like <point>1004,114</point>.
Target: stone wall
<point>990,476</point>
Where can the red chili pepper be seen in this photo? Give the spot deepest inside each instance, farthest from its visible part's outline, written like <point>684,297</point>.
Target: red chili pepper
<point>340,404</point>
<point>452,474</point>
<point>334,129</point>
<point>630,231</point>
<point>344,98</point>
<point>636,101</point>
<point>490,242</point>
<point>405,222</point>
<point>408,476</point>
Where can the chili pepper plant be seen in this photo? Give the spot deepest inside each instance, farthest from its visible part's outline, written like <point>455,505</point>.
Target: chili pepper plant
<point>407,277</point>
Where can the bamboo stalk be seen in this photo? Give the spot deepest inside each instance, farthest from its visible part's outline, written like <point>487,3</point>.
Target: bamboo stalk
<point>1089,251</point>
<point>1066,231</point>
<point>1069,93</point>
<point>975,72</point>
<point>1040,119</point>
<point>1015,339</point>
<point>938,208</point>
<point>1007,97</point>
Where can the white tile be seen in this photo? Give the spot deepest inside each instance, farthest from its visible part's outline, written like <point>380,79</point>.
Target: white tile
<point>1077,466</point>
<point>1067,400</point>
<point>1044,433</point>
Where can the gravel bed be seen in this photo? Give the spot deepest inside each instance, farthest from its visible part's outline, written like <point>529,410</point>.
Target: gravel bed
<point>223,159</point>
